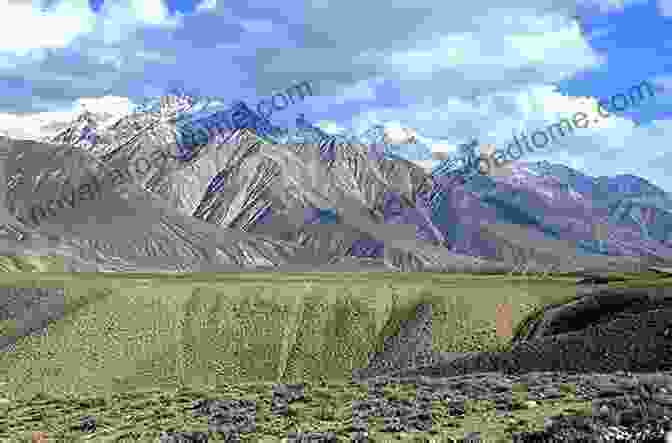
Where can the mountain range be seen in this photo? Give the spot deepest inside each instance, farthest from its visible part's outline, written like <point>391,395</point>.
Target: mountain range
<point>304,200</point>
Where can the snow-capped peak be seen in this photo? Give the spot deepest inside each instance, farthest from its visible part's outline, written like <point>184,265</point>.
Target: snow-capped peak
<point>398,135</point>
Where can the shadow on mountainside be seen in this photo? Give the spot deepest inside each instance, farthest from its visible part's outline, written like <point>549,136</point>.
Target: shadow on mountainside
<point>137,227</point>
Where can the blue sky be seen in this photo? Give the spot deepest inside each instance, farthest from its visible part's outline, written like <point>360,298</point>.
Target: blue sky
<point>451,71</point>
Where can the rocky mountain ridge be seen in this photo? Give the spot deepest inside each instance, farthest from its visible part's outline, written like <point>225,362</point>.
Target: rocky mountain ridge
<point>326,198</point>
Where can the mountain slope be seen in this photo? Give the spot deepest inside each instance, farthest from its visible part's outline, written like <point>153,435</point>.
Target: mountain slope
<point>548,207</point>
<point>133,229</point>
<point>325,200</point>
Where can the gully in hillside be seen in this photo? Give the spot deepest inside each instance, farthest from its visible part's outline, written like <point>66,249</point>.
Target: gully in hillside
<point>94,189</point>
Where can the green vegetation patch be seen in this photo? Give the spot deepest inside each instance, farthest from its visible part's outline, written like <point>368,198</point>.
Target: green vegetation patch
<point>128,332</point>
<point>12,263</point>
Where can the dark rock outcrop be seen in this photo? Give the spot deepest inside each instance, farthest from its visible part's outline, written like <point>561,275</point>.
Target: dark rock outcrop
<point>283,395</point>
<point>24,311</point>
<point>183,437</point>
<point>598,280</point>
<point>411,347</point>
<point>317,437</point>
<point>631,341</point>
<point>590,429</point>
<point>229,418</point>
<point>616,329</point>
<point>634,342</point>
<point>600,306</point>
<point>661,270</point>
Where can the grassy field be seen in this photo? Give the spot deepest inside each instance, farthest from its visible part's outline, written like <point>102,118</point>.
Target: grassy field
<point>122,331</point>
<point>136,349</point>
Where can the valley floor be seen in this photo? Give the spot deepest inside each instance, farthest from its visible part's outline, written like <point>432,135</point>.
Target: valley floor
<point>134,352</point>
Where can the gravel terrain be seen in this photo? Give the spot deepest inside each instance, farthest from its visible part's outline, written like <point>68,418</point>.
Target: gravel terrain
<point>626,406</point>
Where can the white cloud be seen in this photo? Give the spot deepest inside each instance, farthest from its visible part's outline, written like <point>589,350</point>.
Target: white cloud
<point>664,81</point>
<point>362,90</point>
<point>604,147</point>
<point>665,8</point>
<point>156,57</point>
<point>109,104</point>
<point>206,5</point>
<point>550,41</point>
<point>30,126</point>
<point>395,133</point>
<point>330,127</point>
<point>25,27</point>
<point>606,6</point>
<point>118,19</point>
<point>258,26</point>
<point>545,104</point>
<point>33,125</point>
<point>152,12</point>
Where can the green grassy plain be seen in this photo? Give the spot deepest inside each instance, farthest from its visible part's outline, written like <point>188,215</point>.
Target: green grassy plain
<point>136,349</point>
<point>126,331</point>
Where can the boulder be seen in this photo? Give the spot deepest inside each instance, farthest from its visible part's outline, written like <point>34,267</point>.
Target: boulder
<point>628,341</point>
<point>600,306</point>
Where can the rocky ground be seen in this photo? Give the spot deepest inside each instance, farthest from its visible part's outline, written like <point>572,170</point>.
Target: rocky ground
<point>586,346</point>
<point>602,332</point>
<point>626,406</point>
<point>610,348</point>
<point>623,407</point>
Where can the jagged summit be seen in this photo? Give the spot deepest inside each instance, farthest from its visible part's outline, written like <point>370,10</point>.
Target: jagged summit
<point>81,129</point>
<point>267,183</point>
<point>396,143</point>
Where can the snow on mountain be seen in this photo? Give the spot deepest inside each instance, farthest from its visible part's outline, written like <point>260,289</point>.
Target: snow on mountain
<point>372,199</point>
<point>398,135</point>
<point>46,125</point>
